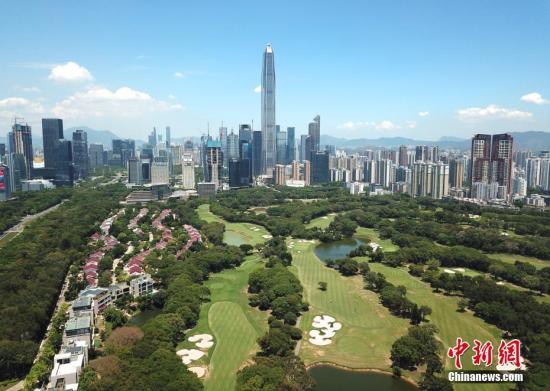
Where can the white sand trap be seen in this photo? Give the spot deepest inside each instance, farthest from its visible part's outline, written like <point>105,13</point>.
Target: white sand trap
<point>189,355</point>
<point>299,252</point>
<point>199,371</point>
<point>320,341</point>
<point>336,326</point>
<point>460,269</point>
<point>267,236</point>
<point>374,246</point>
<point>203,341</point>
<point>252,228</point>
<point>325,218</point>
<point>323,320</point>
<point>500,283</point>
<point>292,243</point>
<point>449,271</point>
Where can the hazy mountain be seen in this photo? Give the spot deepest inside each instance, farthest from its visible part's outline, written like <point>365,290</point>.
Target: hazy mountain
<point>534,140</point>
<point>104,137</point>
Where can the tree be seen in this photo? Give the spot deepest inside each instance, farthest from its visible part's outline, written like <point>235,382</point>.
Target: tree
<point>462,304</point>
<point>115,317</point>
<point>246,248</point>
<point>323,285</point>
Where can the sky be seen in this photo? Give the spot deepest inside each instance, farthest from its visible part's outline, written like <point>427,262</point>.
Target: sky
<point>421,69</point>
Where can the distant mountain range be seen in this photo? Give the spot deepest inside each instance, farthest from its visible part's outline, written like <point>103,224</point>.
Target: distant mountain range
<point>533,140</point>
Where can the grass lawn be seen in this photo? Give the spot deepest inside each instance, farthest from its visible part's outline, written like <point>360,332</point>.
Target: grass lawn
<point>374,236</point>
<point>235,233</point>
<point>321,222</point>
<point>451,324</point>
<point>512,258</point>
<point>368,328</point>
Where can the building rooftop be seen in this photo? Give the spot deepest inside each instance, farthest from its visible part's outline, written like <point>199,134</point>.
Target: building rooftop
<point>78,322</point>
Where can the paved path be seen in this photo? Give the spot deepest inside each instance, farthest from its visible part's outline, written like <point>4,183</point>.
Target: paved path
<point>17,229</point>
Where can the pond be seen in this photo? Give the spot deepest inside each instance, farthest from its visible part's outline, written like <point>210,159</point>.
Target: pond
<point>329,378</point>
<point>338,249</point>
<point>142,317</point>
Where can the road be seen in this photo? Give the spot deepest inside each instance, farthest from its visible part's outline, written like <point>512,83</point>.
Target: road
<point>17,229</point>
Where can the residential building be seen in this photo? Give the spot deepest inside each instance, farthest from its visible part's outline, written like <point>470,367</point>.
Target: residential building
<point>187,171</point>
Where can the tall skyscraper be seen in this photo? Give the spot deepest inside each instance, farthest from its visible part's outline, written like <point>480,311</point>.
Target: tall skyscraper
<point>223,142</point>
<point>160,174</point>
<point>257,149</point>
<point>456,172</point>
<point>290,144</point>
<point>52,131</point>
<point>153,138</point>
<point>214,160</point>
<point>281,148</point>
<point>188,171</point>
<point>80,154</point>
<point>95,152</point>
<point>501,161</point>
<point>64,169</point>
<point>314,132</point>
<point>304,150</point>
<point>403,156</point>
<point>168,137</point>
<point>480,159</point>
<point>268,111</point>
<point>319,167</point>
<point>245,133</point>
<point>134,171</point>
<point>23,145</point>
<point>232,149</point>
<point>123,150</point>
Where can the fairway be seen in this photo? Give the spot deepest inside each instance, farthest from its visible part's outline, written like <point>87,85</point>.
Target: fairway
<point>374,236</point>
<point>321,222</point>
<point>451,324</point>
<point>368,329</point>
<point>227,316</point>
<point>235,233</point>
<point>512,258</point>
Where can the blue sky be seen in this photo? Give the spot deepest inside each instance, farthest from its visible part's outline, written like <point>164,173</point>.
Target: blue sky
<point>421,69</point>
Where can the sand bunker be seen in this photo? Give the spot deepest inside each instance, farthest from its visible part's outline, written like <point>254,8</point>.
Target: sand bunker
<point>203,341</point>
<point>189,355</point>
<point>374,246</point>
<point>328,328</point>
<point>449,271</point>
<point>459,269</point>
<point>267,236</point>
<point>199,371</point>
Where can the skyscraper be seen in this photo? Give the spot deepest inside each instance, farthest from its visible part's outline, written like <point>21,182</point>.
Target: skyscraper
<point>480,158</point>
<point>501,161</point>
<point>23,145</point>
<point>314,132</point>
<point>188,171</point>
<point>257,149</point>
<point>52,131</point>
<point>232,149</point>
<point>281,148</point>
<point>319,167</point>
<point>268,111</point>
<point>64,169</point>
<point>168,137</point>
<point>80,154</point>
<point>95,152</point>
<point>214,160</point>
<point>223,141</point>
<point>153,138</point>
<point>290,144</point>
<point>403,156</point>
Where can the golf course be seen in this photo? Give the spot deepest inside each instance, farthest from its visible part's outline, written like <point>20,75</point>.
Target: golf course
<point>234,325</point>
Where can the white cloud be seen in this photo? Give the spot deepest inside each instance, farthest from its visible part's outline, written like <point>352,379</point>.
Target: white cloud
<point>102,102</point>
<point>19,107</point>
<point>492,112</point>
<point>534,97</point>
<point>171,96</point>
<point>410,124</point>
<point>384,125</point>
<point>258,89</point>
<point>179,75</point>
<point>423,113</point>
<point>70,72</point>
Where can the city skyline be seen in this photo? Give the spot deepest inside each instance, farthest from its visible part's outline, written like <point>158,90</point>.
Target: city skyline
<point>367,79</point>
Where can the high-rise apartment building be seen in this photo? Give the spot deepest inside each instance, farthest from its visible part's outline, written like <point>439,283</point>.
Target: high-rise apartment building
<point>22,138</point>
<point>268,111</point>
<point>456,172</point>
<point>480,159</point>
<point>187,171</point>
<point>403,156</point>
